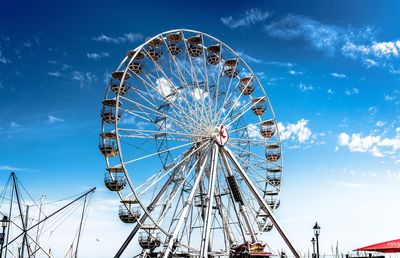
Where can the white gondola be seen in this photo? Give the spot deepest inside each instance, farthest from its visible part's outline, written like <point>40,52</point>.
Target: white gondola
<point>137,63</point>
<point>129,212</point>
<point>268,128</point>
<point>246,85</point>
<point>258,107</point>
<point>116,85</point>
<point>273,152</point>
<point>230,68</point>
<point>108,144</point>
<point>213,54</point>
<point>148,240</point>
<point>115,181</point>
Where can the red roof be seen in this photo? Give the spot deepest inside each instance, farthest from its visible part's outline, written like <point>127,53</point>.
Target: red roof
<point>385,247</point>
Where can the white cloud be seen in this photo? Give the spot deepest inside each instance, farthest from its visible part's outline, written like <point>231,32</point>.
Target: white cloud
<point>385,49</point>
<point>128,37</point>
<point>321,36</point>
<point>14,125</point>
<point>55,74</point>
<point>164,86</point>
<point>3,59</point>
<point>250,17</point>
<point>293,72</point>
<point>254,131</point>
<point>53,119</point>
<point>330,91</point>
<point>97,56</point>
<point>84,78</point>
<point>250,59</point>
<point>374,144</point>
<point>353,91</point>
<point>11,168</point>
<point>298,131</point>
<point>338,75</point>
<point>380,123</point>
<point>305,87</point>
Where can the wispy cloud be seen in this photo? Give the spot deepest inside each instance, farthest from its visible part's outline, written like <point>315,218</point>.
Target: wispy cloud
<point>55,74</point>
<point>305,87</point>
<point>11,168</point>
<point>338,75</point>
<point>97,56</point>
<point>321,36</point>
<point>353,91</point>
<point>84,78</point>
<point>128,37</point>
<point>250,59</point>
<point>14,125</point>
<point>250,17</point>
<point>53,120</point>
<point>3,59</point>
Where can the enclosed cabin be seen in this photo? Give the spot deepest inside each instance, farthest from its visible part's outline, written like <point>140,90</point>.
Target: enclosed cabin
<point>246,85</point>
<point>195,48</point>
<point>129,211</point>
<point>149,240</point>
<point>108,144</point>
<point>137,63</point>
<point>118,82</point>
<point>154,52</point>
<point>273,152</point>
<point>249,250</point>
<point>214,54</point>
<point>174,45</point>
<point>274,179</point>
<point>115,179</point>
<point>258,107</point>
<point>264,226</point>
<point>268,128</point>
<point>273,203</point>
<point>109,112</point>
<point>231,68</point>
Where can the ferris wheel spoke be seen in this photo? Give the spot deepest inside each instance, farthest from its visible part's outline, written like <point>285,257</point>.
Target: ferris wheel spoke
<point>246,109</point>
<point>237,100</point>
<point>157,153</point>
<point>260,159</point>
<point>174,120</point>
<point>223,108</point>
<point>152,132</point>
<point>150,85</point>
<point>185,159</point>
<point>194,74</point>
<point>175,90</point>
<point>170,83</point>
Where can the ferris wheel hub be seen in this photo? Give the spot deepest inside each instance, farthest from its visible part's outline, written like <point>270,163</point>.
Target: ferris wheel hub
<point>221,135</point>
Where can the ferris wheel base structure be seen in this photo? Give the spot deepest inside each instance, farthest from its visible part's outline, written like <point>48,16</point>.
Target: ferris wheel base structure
<point>187,101</point>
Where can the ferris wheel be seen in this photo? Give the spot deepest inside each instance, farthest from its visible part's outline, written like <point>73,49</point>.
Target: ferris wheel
<point>189,107</point>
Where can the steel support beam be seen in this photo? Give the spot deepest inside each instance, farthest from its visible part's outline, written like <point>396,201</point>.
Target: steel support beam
<point>263,204</point>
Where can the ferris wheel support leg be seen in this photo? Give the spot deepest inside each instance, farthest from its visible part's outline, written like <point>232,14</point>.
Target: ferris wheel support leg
<point>205,240</point>
<point>185,210</point>
<point>242,208</point>
<point>146,215</point>
<point>261,201</point>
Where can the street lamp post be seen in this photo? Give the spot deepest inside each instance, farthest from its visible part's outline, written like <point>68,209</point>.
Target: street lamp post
<point>317,230</point>
<point>313,247</point>
<point>4,223</point>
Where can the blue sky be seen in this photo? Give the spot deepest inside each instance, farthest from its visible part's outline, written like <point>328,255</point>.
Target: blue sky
<point>331,69</point>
